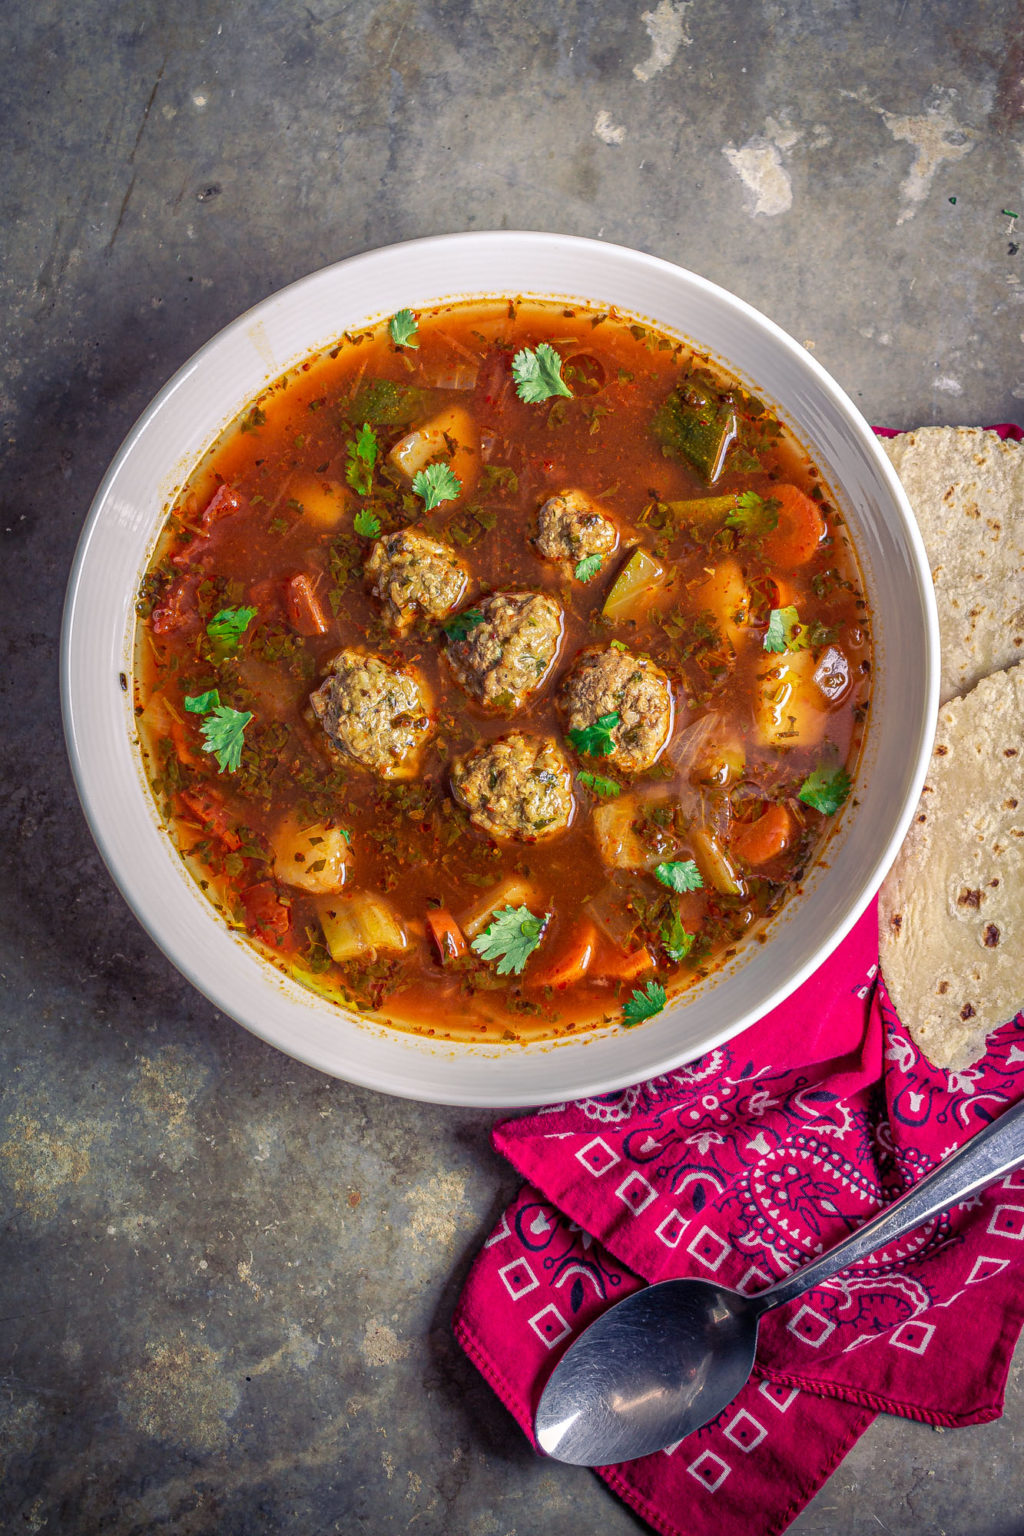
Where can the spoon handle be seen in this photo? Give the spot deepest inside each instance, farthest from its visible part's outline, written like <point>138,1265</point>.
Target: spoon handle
<point>994,1150</point>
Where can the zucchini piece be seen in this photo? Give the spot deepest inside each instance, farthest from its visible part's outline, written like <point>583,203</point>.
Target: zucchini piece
<point>513,892</point>
<point>697,425</point>
<point>361,927</point>
<point>634,586</point>
<point>384,403</point>
<point>617,843</point>
<point>714,863</point>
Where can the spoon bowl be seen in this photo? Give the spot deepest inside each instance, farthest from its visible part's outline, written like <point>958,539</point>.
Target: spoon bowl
<point>665,1360</point>
<point>605,1403</point>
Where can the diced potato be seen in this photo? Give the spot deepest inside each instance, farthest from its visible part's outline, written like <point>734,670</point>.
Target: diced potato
<point>513,892</point>
<point>323,502</point>
<point>452,435</point>
<point>617,842</point>
<point>789,710</point>
<point>635,586</point>
<point>714,863</point>
<point>724,764</point>
<point>315,857</point>
<point>360,927</point>
<point>727,596</point>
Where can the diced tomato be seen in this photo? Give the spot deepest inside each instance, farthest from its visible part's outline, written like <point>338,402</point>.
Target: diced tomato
<point>222,503</point>
<point>265,914</point>
<point>211,812</point>
<point>303,608</point>
<point>177,608</point>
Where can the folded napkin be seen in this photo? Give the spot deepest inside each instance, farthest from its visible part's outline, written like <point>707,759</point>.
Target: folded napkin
<point>741,1166</point>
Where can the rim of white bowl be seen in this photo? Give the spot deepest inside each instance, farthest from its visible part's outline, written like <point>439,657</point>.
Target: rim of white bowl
<point>127,830</point>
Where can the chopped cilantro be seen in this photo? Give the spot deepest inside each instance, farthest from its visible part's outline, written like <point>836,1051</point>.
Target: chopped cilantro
<point>678,941</point>
<point>402,328</point>
<point>753,514</point>
<point>825,789</point>
<point>784,631</point>
<point>362,456</point>
<point>228,626</point>
<point>223,729</point>
<point>679,875</point>
<point>366,524</point>
<point>202,703</point>
<point>436,483</point>
<point>588,567</point>
<point>596,740</point>
<point>538,374</point>
<point>510,938</point>
<point>458,627</point>
<point>644,1003</point>
<point>602,787</point>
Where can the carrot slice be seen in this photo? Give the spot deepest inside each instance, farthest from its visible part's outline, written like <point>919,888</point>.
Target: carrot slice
<point>448,937</point>
<point>572,962</point>
<point>800,528</point>
<point>624,965</point>
<point>764,839</point>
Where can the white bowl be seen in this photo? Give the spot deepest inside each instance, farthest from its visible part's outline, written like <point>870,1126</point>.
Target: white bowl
<point>180,425</point>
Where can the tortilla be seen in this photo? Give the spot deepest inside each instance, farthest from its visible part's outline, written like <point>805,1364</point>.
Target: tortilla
<point>951,912</point>
<point>967,491</point>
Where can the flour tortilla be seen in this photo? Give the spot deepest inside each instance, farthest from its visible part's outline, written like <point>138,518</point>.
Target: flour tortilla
<point>967,491</point>
<point>951,912</point>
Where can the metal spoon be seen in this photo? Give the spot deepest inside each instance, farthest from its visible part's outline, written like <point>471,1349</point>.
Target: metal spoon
<point>665,1360</point>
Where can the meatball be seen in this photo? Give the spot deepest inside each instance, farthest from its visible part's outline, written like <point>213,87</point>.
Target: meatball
<point>571,526</point>
<point>510,643</point>
<point>519,786</point>
<point>373,714</point>
<point>412,573</point>
<point>614,682</point>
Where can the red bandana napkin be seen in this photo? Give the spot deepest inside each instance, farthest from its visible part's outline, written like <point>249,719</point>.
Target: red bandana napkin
<point>741,1166</point>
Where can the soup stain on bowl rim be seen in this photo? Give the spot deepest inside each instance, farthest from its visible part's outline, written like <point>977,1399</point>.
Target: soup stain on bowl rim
<point>397,1060</point>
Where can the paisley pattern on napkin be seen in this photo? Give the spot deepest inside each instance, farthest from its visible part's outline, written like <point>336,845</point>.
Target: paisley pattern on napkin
<point>739,1168</point>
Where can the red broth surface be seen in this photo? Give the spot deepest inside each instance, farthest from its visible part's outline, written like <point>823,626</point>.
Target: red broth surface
<point>731,574</point>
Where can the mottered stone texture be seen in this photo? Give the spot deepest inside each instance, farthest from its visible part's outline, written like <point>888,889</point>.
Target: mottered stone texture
<point>227,1281</point>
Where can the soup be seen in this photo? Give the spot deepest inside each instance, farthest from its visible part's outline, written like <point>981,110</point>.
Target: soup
<point>501,671</point>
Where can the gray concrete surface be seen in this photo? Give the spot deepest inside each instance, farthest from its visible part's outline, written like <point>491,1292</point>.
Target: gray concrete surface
<point>226,1281</point>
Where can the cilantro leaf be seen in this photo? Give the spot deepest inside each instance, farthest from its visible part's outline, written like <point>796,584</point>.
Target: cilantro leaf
<point>644,1003</point>
<point>753,514</point>
<point>602,787</point>
<point>223,732</point>
<point>366,524</point>
<point>538,374</point>
<point>202,703</point>
<point>402,328</point>
<point>588,567</point>
<point>678,941</point>
<point>679,875</point>
<point>783,630</point>
<point>362,456</point>
<point>458,627</point>
<point>436,483</point>
<point>228,626</point>
<point>595,740</point>
<point>825,789</point>
<point>510,938</point>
